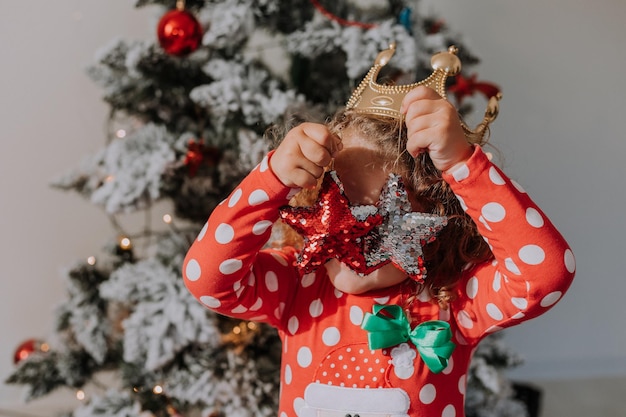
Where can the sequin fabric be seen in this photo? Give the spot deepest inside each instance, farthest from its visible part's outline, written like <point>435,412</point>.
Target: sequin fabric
<point>364,237</point>
<point>330,228</point>
<point>403,233</point>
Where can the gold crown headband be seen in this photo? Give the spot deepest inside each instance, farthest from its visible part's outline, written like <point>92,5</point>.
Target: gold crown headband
<point>385,100</point>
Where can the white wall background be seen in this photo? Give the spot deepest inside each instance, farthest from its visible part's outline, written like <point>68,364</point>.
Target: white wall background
<point>561,128</point>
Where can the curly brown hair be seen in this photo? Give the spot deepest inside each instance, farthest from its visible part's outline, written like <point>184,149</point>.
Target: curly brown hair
<point>459,245</point>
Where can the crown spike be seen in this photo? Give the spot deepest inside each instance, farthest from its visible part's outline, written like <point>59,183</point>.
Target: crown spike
<point>385,56</point>
<point>385,100</point>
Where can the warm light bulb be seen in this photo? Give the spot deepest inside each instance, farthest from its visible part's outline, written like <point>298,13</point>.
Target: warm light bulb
<point>157,389</point>
<point>167,218</point>
<point>44,347</point>
<point>91,260</point>
<point>121,133</point>
<point>236,330</point>
<point>80,395</point>
<point>251,325</point>
<point>125,243</point>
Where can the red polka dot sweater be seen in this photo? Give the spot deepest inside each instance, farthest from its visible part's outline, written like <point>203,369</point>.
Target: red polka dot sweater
<point>327,368</point>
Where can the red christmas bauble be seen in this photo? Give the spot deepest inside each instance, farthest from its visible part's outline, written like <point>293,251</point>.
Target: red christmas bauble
<point>179,32</point>
<point>25,349</point>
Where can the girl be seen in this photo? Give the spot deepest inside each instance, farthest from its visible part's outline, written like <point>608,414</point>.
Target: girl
<point>375,321</point>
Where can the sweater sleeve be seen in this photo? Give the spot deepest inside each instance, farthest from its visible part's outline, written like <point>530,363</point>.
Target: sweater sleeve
<point>533,265</point>
<point>227,268</point>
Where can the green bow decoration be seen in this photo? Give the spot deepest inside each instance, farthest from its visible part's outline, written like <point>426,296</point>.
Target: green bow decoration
<point>389,326</point>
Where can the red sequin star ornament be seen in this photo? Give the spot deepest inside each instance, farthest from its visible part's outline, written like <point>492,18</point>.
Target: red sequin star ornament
<point>179,32</point>
<point>330,228</point>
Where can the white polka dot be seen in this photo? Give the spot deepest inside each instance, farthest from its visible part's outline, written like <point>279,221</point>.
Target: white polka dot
<point>551,299</point>
<point>532,255</point>
<point>288,374</point>
<point>230,266</point>
<point>224,233</point>
<point>472,287</point>
<point>518,316</point>
<point>462,203</point>
<point>382,300</point>
<point>459,338</point>
<point>462,384</point>
<point>264,165</point>
<point>427,394</point>
<point>338,294</point>
<point>510,265</point>
<point>518,187</point>
<point>424,296</point>
<point>308,279</point>
<point>482,220</point>
<point>331,336</point>
<point>464,319</point>
<point>449,411</point>
<point>461,173</point>
<point>192,270</point>
<point>448,369</point>
<point>493,212</point>
<point>293,325</point>
<point>534,218</point>
<point>356,315</point>
<point>304,357</point>
<point>298,403</point>
<point>520,303</point>
<point>271,281</point>
<point>203,231</point>
<point>251,279</point>
<point>234,199</point>
<point>570,261</point>
<point>258,197</point>
<point>495,176</point>
<point>497,281</point>
<point>260,227</point>
<point>239,309</point>
<point>494,329</point>
<point>278,312</point>
<point>283,414</point>
<point>210,302</point>
<point>257,305</point>
<point>494,312</point>
<point>316,308</point>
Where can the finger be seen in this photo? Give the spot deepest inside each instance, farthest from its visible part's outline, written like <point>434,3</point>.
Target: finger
<point>420,92</point>
<point>303,178</point>
<point>418,143</point>
<point>311,168</point>
<point>421,108</point>
<point>320,134</point>
<point>315,152</point>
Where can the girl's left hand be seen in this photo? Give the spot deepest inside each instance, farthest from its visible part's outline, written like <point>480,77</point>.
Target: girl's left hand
<point>433,126</point>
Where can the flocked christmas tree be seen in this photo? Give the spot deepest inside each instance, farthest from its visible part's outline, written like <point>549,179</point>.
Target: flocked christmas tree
<point>188,114</point>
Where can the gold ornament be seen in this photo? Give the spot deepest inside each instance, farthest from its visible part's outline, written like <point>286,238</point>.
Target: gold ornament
<point>385,100</point>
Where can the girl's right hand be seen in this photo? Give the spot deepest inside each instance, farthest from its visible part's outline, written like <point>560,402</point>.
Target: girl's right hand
<point>300,159</point>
